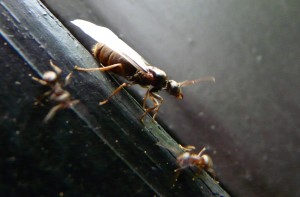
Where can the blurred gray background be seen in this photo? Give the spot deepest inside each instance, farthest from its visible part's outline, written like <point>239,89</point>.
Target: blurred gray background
<point>248,119</point>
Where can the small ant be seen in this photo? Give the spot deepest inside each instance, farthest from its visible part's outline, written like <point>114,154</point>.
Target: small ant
<point>188,159</point>
<point>57,94</point>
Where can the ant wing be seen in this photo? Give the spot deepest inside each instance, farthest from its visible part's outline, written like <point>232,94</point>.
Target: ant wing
<point>106,36</point>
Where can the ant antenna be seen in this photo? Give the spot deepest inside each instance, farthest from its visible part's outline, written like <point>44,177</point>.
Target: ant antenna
<point>186,83</point>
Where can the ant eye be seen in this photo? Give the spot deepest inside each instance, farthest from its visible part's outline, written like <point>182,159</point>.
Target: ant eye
<point>176,91</point>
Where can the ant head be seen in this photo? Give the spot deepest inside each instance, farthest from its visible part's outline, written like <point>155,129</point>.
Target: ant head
<point>50,76</point>
<point>174,88</point>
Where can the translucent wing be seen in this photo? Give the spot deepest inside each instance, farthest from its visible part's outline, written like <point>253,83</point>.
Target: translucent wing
<point>107,37</point>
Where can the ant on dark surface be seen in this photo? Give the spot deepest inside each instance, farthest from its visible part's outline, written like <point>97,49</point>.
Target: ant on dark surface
<point>200,161</point>
<point>57,93</point>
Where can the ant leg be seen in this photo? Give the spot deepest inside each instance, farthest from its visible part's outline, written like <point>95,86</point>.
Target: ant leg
<point>73,102</point>
<point>155,112</point>
<point>40,81</point>
<point>68,79</point>
<point>52,112</point>
<point>56,68</point>
<point>103,69</point>
<point>177,173</point>
<point>212,173</point>
<point>115,92</point>
<point>47,93</point>
<point>147,111</point>
<point>197,174</point>
<point>186,148</point>
<point>70,103</point>
<point>177,170</point>
<point>40,98</point>
<point>200,153</point>
<point>145,98</point>
<point>151,108</point>
<point>156,97</point>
